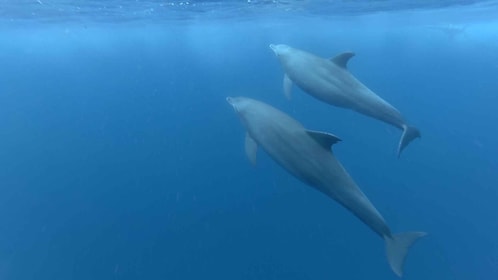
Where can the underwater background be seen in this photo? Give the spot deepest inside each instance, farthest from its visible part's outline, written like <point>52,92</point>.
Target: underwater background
<point>121,159</point>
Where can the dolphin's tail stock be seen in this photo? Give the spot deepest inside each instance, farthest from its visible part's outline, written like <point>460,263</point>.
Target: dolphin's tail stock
<point>397,248</point>
<point>409,133</point>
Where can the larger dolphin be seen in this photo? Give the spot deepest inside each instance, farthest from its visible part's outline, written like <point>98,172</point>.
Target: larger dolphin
<point>307,155</point>
<point>330,81</point>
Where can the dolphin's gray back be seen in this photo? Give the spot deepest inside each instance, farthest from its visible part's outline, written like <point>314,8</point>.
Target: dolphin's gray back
<point>290,145</point>
<point>333,84</point>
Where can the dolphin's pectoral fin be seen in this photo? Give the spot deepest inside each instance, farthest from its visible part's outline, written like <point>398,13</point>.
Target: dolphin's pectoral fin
<point>323,138</point>
<point>251,148</point>
<point>287,87</point>
<point>342,59</point>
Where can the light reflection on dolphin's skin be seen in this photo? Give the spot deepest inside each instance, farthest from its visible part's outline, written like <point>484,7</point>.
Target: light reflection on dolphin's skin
<point>330,81</point>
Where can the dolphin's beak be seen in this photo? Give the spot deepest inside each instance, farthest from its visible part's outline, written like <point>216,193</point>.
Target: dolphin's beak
<point>274,48</point>
<point>230,101</point>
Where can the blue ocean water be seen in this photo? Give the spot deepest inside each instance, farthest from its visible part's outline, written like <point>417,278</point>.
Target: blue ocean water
<point>120,158</point>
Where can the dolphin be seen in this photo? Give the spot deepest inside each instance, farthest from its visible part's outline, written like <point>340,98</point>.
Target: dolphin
<point>307,155</point>
<point>330,81</point>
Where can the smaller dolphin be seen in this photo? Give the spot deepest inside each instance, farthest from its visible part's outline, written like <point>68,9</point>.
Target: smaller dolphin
<point>307,156</point>
<point>330,81</point>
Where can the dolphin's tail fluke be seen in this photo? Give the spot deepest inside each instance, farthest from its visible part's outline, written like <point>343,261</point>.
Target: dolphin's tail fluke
<point>397,248</point>
<point>409,133</point>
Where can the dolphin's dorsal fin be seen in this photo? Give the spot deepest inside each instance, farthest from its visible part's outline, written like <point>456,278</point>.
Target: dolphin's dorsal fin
<point>342,59</point>
<point>325,139</point>
<point>251,148</point>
